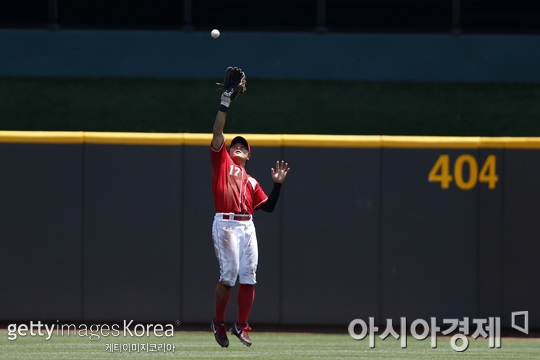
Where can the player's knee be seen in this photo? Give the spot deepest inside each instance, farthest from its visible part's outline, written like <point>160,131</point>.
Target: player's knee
<point>248,281</point>
<point>229,277</point>
<point>248,278</point>
<point>228,282</point>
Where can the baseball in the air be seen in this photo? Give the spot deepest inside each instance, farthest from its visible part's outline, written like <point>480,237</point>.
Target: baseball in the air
<point>215,33</point>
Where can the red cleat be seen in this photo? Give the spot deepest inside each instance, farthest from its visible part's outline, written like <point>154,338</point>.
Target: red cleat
<point>240,330</point>
<point>220,332</point>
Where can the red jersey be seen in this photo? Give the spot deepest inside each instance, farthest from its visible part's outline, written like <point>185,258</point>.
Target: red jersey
<point>234,190</point>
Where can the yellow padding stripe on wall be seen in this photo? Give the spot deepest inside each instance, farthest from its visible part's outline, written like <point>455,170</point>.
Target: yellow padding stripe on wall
<point>42,137</point>
<point>336,141</point>
<point>133,138</point>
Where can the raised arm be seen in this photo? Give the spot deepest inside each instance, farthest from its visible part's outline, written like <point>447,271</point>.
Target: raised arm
<point>233,85</point>
<point>219,124</point>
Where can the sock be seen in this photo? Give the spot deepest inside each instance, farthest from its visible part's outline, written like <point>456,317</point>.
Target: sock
<point>246,294</point>
<point>222,298</point>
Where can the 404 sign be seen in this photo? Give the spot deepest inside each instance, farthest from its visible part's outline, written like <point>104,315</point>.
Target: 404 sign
<point>441,172</point>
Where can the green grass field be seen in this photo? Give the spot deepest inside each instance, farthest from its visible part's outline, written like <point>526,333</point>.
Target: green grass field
<point>271,106</point>
<point>201,345</point>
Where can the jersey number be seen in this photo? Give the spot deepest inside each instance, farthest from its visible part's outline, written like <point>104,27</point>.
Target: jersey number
<point>234,169</point>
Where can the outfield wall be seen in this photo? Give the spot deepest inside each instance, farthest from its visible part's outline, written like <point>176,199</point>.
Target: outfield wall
<point>177,54</point>
<point>108,227</point>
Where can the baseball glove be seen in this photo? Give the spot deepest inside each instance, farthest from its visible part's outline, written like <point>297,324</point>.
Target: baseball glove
<point>234,83</point>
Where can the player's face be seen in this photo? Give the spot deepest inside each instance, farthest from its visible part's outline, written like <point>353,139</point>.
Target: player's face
<point>239,153</point>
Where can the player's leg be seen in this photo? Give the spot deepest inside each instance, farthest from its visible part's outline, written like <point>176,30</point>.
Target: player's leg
<point>246,295</point>
<point>249,256</point>
<point>223,292</point>
<point>227,253</point>
<point>218,323</point>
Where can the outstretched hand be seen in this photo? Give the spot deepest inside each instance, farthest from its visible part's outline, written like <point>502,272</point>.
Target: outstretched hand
<point>281,172</point>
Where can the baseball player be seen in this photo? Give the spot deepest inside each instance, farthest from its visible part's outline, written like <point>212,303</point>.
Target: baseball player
<point>236,196</point>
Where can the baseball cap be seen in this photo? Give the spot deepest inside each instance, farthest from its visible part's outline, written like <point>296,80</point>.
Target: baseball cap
<point>242,141</point>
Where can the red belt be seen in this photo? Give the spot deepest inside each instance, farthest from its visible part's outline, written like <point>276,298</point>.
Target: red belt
<point>237,217</point>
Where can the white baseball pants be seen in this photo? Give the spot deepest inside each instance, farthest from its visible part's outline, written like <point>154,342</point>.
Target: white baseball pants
<point>235,244</point>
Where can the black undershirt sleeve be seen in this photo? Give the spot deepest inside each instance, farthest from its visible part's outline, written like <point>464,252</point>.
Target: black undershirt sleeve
<point>270,204</point>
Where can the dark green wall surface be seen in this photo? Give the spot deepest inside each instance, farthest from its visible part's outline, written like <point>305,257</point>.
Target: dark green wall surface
<point>271,106</point>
